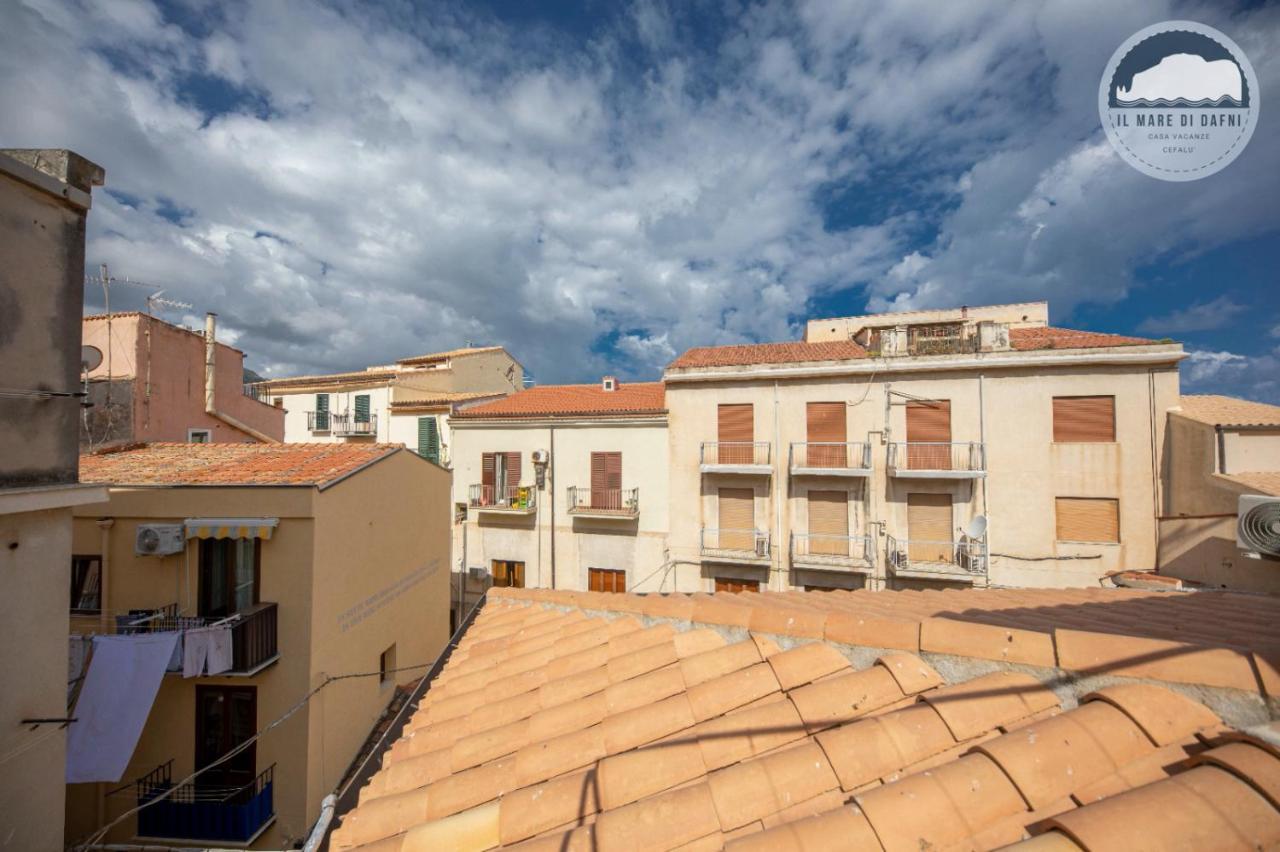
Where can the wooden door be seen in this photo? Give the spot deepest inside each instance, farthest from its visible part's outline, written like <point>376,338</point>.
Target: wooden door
<point>606,481</point>
<point>726,584</point>
<point>737,519</point>
<point>929,528</point>
<point>929,435</point>
<point>508,574</point>
<point>488,478</point>
<point>829,522</point>
<point>226,716</point>
<point>826,427</point>
<point>735,432</point>
<point>606,580</point>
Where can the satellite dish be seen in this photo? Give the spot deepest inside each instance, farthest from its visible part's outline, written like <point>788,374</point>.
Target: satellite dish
<point>90,358</point>
<point>977,527</point>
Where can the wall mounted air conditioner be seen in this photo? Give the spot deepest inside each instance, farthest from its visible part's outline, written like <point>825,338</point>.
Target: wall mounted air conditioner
<point>762,546</point>
<point>478,574</point>
<point>1258,526</point>
<point>158,540</point>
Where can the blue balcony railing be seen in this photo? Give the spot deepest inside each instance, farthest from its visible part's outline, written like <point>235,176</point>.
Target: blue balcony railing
<point>201,812</point>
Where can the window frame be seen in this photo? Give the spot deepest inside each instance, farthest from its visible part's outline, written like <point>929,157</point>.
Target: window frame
<point>193,431</point>
<point>1053,415</point>
<point>1057,526</point>
<point>77,588</point>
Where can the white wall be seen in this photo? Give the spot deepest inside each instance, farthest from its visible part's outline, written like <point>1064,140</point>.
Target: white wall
<point>297,405</point>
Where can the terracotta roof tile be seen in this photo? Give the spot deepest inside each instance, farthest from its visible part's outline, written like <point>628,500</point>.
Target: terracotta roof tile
<point>1258,481</point>
<point>229,464</point>
<point>629,398</point>
<point>1218,410</point>
<point>1048,337</point>
<point>747,354</point>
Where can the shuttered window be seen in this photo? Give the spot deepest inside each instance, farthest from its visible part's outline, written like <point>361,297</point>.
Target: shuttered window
<point>1095,519</point>
<point>737,519</point>
<point>826,426</point>
<point>428,439</point>
<point>606,580</point>
<point>829,522</point>
<point>929,527</point>
<point>362,408</point>
<point>928,435</point>
<point>606,480</point>
<point>488,476</point>
<point>322,411</point>
<point>513,469</point>
<point>508,574</point>
<point>735,432</point>
<point>1084,419</point>
<point>728,584</point>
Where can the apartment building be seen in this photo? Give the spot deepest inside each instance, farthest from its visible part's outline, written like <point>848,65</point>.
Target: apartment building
<point>563,486</point>
<point>155,381</point>
<point>44,201</point>
<point>294,563</point>
<point>408,402</point>
<point>918,450</point>
<point>1218,449</point>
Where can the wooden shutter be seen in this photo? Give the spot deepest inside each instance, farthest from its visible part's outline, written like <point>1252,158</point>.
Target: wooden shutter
<point>737,519</point>
<point>726,584</point>
<point>1088,519</point>
<point>428,439</point>
<point>362,408</point>
<point>488,478</point>
<point>606,480</point>
<point>929,422</point>
<point>929,527</point>
<point>1084,419</point>
<point>736,427</point>
<point>606,580</point>
<point>829,522</point>
<point>322,411</point>
<point>513,469</point>
<point>826,425</point>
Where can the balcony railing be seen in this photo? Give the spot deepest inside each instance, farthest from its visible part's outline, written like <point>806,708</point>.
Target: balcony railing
<point>350,425</point>
<point>939,460</point>
<point>319,421</point>
<point>831,459</point>
<point>198,811</point>
<point>254,634</point>
<point>620,502</point>
<point>819,550</point>
<point>963,558</point>
<point>736,456</point>
<point>520,499</point>
<point>258,392</point>
<point>735,545</point>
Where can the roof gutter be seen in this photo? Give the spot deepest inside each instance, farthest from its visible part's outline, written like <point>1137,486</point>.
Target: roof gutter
<point>210,398</point>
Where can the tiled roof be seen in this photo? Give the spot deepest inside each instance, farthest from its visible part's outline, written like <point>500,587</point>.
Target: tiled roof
<point>1261,481</point>
<point>1228,411</point>
<point>447,354</point>
<point>229,464</point>
<point>1048,337</point>
<point>814,721</point>
<point>372,375</point>
<point>574,401</point>
<point>439,399</point>
<point>741,355</point>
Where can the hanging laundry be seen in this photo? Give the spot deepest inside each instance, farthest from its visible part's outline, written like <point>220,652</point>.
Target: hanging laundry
<point>195,650</point>
<point>219,654</point>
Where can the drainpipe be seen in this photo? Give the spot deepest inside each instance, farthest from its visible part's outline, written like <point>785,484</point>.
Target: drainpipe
<point>210,400</point>
<point>986,465</point>
<point>551,499</point>
<point>777,491</point>
<point>104,579</point>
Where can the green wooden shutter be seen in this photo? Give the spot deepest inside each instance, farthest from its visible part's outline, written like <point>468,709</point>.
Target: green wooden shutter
<point>362,408</point>
<point>322,411</point>
<point>428,439</point>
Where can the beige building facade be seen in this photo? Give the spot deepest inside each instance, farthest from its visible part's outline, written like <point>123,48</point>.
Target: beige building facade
<point>324,560</point>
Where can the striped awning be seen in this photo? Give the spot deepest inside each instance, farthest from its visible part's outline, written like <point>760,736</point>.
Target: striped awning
<point>230,527</point>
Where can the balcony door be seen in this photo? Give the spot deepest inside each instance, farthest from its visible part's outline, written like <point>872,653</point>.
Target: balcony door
<point>929,434</point>
<point>735,431</point>
<point>826,428</point>
<point>226,716</point>
<point>507,574</point>
<point>498,473</point>
<point>606,480</point>
<point>737,519</point>
<point>829,523</point>
<point>230,570</point>
<point>929,528</point>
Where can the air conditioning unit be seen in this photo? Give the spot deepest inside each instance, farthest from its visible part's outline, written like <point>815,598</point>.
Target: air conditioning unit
<point>539,456</point>
<point>762,547</point>
<point>1258,526</point>
<point>158,540</point>
<point>477,573</point>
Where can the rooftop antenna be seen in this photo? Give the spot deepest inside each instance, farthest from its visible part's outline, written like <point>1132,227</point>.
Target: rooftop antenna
<point>157,298</point>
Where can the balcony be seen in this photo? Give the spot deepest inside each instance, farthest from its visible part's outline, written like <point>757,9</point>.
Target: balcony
<point>827,459</point>
<point>204,813</point>
<point>353,426</point>
<point>319,421</point>
<point>961,561</point>
<point>604,502</point>
<point>743,547</point>
<point>937,460</point>
<point>736,457</point>
<point>508,500</point>
<point>833,552</point>
<point>253,633</point>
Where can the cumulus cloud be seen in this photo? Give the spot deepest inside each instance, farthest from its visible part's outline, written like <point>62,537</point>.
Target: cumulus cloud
<point>1204,316</point>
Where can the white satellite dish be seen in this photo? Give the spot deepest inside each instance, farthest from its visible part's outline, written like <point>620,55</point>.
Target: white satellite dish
<point>90,358</point>
<point>977,527</point>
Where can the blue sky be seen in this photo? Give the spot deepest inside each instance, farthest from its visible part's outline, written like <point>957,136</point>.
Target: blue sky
<point>600,186</point>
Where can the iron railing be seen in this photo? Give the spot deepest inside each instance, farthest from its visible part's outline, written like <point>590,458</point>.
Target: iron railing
<point>353,425</point>
<point>202,811</point>
<point>257,392</point>
<point>611,501</point>
<point>964,555</point>
<point>964,456</point>
<point>512,498</point>
<point>840,551</point>
<point>735,453</point>
<point>254,631</point>
<point>737,544</point>
<point>831,456</point>
<point>319,421</point>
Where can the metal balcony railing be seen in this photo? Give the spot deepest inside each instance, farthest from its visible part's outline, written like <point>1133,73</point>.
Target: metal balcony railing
<point>319,421</point>
<point>748,545</point>
<point>961,458</point>
<point>964,556</point>
<point>835,457</point>
<point>196,811</point>
<point>254,631</point>
<point>836,551</point>
<point>351,425</point>
<point>258,392</point>
<point>624,502</point>
<point>736,453</point>
<point>512,498</point>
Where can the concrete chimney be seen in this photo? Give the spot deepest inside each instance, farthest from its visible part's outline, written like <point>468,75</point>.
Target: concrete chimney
<point>210,350</point>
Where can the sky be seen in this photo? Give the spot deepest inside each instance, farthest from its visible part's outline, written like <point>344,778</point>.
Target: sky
<point>600,186</point>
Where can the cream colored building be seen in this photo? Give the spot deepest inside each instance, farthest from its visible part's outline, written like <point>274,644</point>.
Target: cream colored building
<point>408,402</point>
<point>44,201</point>
<point>563,486</point>
<point>321,559</point>
<point>940,448</point>
<point>1219,448</point>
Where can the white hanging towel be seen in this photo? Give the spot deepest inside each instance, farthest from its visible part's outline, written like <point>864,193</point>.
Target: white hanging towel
<point>219,639</point>
<point>195,649</point>
<point>119,689</point>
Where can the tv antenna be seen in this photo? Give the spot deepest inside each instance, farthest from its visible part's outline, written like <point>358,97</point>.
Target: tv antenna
<point>157,298</point>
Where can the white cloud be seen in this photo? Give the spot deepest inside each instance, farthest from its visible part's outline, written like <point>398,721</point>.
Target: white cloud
<point>1203,365</point>
<point>1203,316</point>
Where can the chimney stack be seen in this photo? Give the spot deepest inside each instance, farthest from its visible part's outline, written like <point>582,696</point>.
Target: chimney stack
<point>210,346</point>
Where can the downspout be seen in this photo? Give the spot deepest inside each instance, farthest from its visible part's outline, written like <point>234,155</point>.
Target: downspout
<point>104,580</point>
<point>777,489</point>
<point>551,498</point>
<point>210,400</point>
<point>986,464</point>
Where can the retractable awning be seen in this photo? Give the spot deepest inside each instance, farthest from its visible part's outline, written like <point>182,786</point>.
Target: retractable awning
<point>230,527</point>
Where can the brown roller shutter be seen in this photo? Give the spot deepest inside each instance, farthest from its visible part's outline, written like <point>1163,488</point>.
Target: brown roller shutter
<point>736,426</point>
<point>513,469</point>
<point>606,480</point>
<point>737,519</point>
<point>829,522</point>
<point>486,478</point>
<point>929,423</point>
<point>1084,419</point>
<point>731,586</point>
<point>929,527</point>
<point>1088,519</point>
<point>826,425</point>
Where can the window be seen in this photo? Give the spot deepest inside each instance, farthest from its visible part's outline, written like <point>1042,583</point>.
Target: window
<point>508,574</point>
<point>387,665</point>
<point>362,408</point>
<point>929,435</point>
<point>735,427</point>
<point>1091,519</point>
<point>321,423</point>
<point>226,716</point>
<point>229,575</point>
<point>199,436</point>
<point>1084,419</point>
<point>736,515</point>
<point>86,577</point>
<point>825,432</point>
<point>429,439</point>
<point>499,475</point>
<point>606,480</point>
<point>930,528</point>
<point>606,580</point>
<point>730,584</point>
